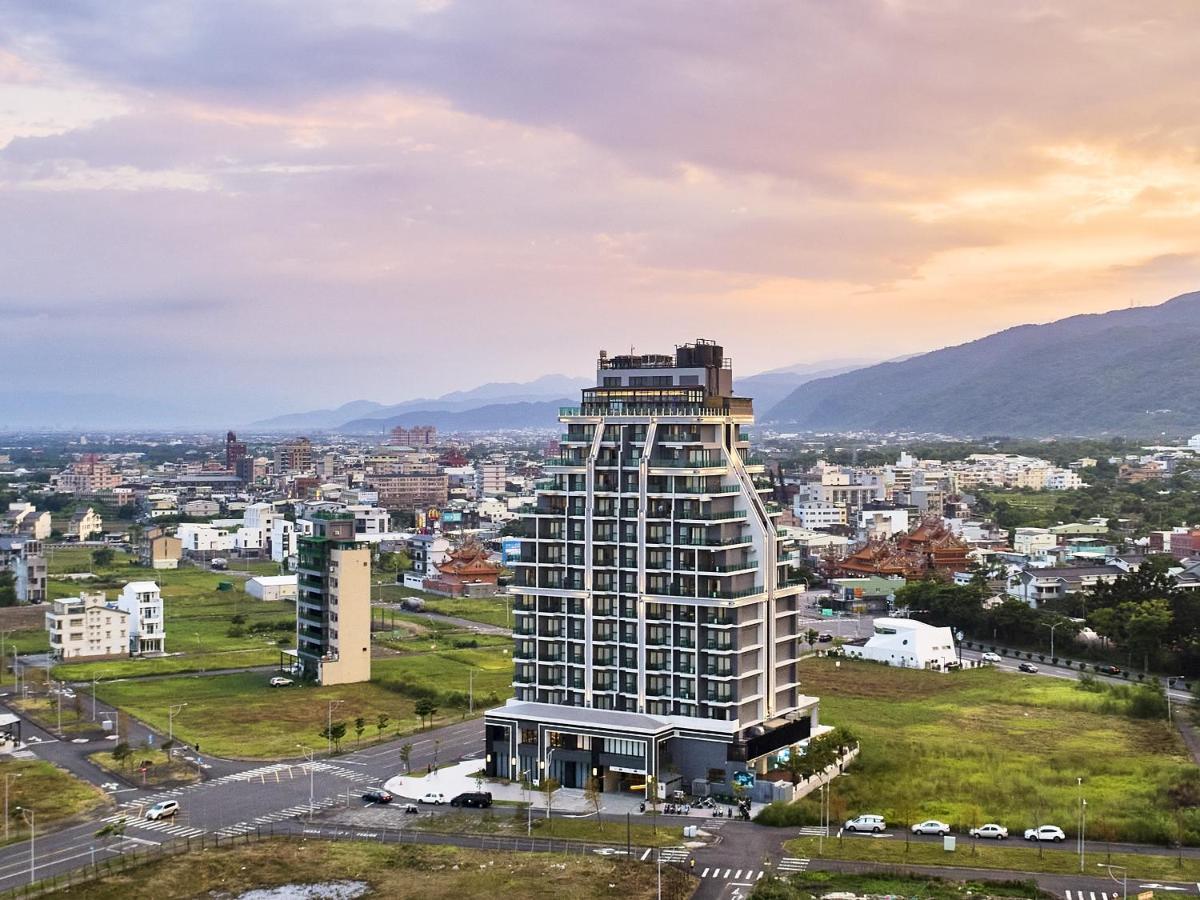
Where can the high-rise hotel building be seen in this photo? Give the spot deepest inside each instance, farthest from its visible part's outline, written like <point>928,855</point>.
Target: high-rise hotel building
<point>656,628</point>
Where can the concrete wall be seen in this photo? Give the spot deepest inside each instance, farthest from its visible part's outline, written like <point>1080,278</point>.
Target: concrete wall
<point>350,600</point>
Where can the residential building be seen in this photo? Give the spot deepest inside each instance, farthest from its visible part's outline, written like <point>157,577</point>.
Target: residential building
<point>1034,541</point>
<point>814,514</point>
<point>491,478</point>
<point>427,552</point>
<point>410,491</point>
<point>23,557</point>
<point>272,587</point>
<point>144,605</point>
<point>87,475</point>
<point>84,524</point>
<point>873,593</point>
<point>294,456</point>
<point>235,452</point>
<point>881,523</point>
<point>333,607</point>
<point>656,634</point>
<point>24,519</point>
<point>204,539</point>
<point>87,626</point>
<point>159,550</point>
<point>370,520</point>
<point>908,644</point>
<point>1037,585</point>
<point>419,437</point>
<point>201,508</point>
<point>283,540</point>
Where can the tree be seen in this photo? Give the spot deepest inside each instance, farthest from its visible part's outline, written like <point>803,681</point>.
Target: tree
<point>652,800</point>
<point>548,787</point>
<point>8,588</point>
<point>594,797</point>
<point>334,733</point>
<point>166,748</point>
<point>810,638</point>
<point>381,723</point>
<point>360,725</point>
<point>1147,628</point>
<point>121,753</point>
<point>112,830</point>
<point>426,709</point>
<point>795,765</point>
<point>102,557</point>
<point>405,755</point>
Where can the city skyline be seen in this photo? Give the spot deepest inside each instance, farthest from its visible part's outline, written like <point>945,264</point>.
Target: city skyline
<point>199,198</point>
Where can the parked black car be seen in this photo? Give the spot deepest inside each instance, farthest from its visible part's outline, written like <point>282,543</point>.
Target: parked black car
<point>377,797</point>
<point>481,799</point>
<point>824,637</point>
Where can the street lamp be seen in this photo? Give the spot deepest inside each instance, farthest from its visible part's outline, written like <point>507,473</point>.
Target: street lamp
<point>309,754</point>
<point>546,765</point>
<point>7,780</point>
<point>1051,627</point>
<point>172,712</point>
<point>1082,821</point>
<point>1124,882</point>
<point>30,820</point>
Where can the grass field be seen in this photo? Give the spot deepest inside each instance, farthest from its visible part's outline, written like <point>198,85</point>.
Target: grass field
<point>242,716</point>
<point>160,770</point>
<point>990,746</point>
<point>199,623</point>
<point>429,873</point>
<point>514,822</point>
<point>55,795</point>
<point>819,884</point>
<point>487,611</point>
<point>990,855</point>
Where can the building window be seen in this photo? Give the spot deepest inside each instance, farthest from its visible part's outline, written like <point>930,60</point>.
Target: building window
<point>529,736</point>
<point>625,747</point>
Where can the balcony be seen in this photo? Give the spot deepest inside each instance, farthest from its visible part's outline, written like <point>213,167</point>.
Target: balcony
<point>710,515</point>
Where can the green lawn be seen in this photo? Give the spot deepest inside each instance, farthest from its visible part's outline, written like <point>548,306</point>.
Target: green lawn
<point>990,746</point>
<point>199,622</point>
<point>820,884</point>
<point>28,641</point>
<point>514,821</point>
<point>428,873</point>
<point>991,855</point>
<point>242,716</point>
<point>490,611</point>
<point>55,796</point>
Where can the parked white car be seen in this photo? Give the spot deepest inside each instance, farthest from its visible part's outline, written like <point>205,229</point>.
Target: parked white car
<point>162,810</point>
<point>1045,833</point>
<point>990,830</point>
<point>931,826</point>
<point>866,823</point>
<point>435,797</point>
<point>990,657</point>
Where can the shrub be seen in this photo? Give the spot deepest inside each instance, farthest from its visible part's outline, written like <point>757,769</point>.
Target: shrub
<point>1041,657</point>
<point>784,815</point>
<point>1054,660</point>
<point>235,631</point>
<point>1147,703</point>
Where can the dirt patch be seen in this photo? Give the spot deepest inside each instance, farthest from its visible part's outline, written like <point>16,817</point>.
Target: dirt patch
<point>22,618</point>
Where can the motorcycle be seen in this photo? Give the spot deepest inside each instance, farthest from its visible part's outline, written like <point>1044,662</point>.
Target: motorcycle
<point>642,807</point>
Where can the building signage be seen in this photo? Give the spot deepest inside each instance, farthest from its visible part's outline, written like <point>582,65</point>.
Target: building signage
<point>744,779</point>
<point>626,771</point>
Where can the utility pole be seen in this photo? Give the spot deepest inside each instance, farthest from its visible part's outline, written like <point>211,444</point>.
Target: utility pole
<point>309,754</point>
<point>172,712</point>
<point>471,692</point>
<point>7,780</point>
<point>94,698</point>
<point>30,819</point>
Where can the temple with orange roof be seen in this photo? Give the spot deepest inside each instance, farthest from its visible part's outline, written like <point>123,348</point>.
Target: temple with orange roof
<point>467,572</point>
<point>929,549</point>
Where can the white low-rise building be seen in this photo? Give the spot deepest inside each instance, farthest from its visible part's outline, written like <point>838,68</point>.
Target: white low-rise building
<point>272,587</point>
<point>87,626</point>
<point>204,537</point>
<point>147,629</point>
<point>815,514</point>
<point>909,644</point>
<point>1034,541</point>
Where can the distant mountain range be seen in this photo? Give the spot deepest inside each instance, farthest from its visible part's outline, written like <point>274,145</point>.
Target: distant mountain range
<point>500,406</point>
<point>1129,371</point>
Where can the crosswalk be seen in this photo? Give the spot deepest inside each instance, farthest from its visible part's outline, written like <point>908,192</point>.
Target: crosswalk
<point>292,812</point>
<point>814,831</point>
<point>165,826</point>
<point>1091,895</point>
<point>674,854</point>
<point>787,866</point>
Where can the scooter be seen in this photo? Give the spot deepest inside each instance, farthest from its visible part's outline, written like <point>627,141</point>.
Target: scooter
<point>642,807</point>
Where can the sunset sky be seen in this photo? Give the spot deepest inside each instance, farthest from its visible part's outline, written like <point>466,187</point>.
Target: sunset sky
<point>261,207</point>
